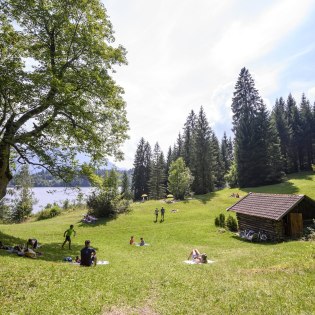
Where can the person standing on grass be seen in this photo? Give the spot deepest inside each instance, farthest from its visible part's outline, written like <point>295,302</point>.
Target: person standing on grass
<point>156,211</point>
<point>88,255</point>
<point>67,234</point>
<point>162,214</point>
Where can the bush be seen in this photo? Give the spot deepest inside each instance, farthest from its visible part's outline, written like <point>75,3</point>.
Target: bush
<point>48,213</point>
<point>309,232</point>
<point>220,220</point>
<point>231,223</point>
<point>102,206</point>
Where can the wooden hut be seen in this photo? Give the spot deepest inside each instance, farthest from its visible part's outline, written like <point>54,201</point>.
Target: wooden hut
<point>279,216</point>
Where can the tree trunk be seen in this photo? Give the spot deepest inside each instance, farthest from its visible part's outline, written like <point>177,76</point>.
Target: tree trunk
<point>5,173</point>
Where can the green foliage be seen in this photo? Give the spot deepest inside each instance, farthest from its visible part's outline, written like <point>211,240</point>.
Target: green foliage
<point>219,221</point>
<point>157,174</point>
<point>231,176</point>
<point>21,205</point>
<point>257,150</point>
<point>141,172</point>
<point>67,102</point>
<point>125,186</point>
<point>179,179</point>
<point>106,201</point>
<point>231,223</point>
<point>49,212</point>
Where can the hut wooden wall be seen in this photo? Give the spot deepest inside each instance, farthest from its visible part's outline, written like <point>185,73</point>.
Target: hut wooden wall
<point>272,228</point>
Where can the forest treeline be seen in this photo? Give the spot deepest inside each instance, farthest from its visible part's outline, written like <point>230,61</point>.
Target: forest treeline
<point>266,146</point>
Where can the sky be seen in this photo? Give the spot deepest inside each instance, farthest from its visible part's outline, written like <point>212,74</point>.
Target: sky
<point>183,54</point>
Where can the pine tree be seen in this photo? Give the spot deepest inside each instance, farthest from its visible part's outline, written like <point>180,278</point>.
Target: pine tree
<point>218,167</point>
<point>226,153</point>
<point>306,154</point>
<point>125,186</point>
<point>157,174</point>
<point>202,166</point>
<point>293,120</point>
<point>281,124</point>
<point>251,126</point>
<point>141,173</point>
<point>189,140</point>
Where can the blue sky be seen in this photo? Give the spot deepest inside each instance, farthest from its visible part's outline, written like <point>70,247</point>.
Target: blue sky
<point>184,54</point>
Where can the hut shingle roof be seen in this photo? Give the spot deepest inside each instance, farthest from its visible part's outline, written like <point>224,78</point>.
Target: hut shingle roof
<point>271,206</point>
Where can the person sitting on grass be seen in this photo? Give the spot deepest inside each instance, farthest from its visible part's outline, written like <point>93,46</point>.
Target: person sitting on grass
<point>88,255</point>
<point>132,241</point>
<point>197,257</point>
<point>142,243</point>
<point>67,234</point>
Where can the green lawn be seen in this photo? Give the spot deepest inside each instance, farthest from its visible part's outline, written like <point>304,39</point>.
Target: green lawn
<point>247,278</point>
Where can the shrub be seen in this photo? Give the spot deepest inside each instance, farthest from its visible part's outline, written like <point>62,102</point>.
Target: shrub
<point>102,206</point>
<point>220,220</point>
<point>309,232</point>
<point>231,223</point>
<point>48,213</point>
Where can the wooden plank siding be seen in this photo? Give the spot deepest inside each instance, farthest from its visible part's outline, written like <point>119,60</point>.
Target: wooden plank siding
<point>273,229</point>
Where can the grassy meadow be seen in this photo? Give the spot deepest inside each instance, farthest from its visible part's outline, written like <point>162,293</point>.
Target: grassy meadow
<point>249,278</point>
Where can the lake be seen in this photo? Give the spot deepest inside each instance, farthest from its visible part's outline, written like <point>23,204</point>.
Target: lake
<point>45,195</point>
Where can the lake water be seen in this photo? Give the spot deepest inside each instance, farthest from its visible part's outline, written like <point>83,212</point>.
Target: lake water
<point>45,195</point>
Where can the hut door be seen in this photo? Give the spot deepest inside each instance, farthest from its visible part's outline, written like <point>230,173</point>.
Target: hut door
<point>296,224</point>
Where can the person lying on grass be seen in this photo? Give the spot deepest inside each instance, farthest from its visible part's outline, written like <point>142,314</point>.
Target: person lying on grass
<point>197,257</point>
<point>88,255</point>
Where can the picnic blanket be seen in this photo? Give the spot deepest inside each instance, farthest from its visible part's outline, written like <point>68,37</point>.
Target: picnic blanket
<point>191,262</point>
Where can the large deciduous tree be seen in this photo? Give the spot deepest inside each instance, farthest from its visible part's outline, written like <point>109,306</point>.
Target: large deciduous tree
<point>64,101</point>
<point>179,179</point>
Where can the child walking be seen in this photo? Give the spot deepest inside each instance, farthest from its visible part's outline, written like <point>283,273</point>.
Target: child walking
<point>67,234</point>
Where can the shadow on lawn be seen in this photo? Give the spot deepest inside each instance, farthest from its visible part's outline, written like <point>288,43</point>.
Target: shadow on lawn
<point>282,188</point>
<point>205,198</point>
<point>51,251</point>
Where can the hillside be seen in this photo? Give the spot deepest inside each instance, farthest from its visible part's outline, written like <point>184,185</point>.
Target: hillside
<point>252,278</point>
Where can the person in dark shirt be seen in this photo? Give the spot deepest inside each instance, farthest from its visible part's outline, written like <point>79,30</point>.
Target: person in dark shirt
<point>88,255</point>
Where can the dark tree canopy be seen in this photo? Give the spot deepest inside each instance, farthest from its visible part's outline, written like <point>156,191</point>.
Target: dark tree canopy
<point>66,102</point>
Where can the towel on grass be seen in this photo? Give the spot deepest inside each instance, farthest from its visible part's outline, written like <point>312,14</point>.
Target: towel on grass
<point>100,262</point>
<point>191,262</point>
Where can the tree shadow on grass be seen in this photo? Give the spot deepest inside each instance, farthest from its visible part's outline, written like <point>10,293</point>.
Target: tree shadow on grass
<point>307,175</point>
<point>50,251</point>
<point>205,198</point>
<point>281,188</point>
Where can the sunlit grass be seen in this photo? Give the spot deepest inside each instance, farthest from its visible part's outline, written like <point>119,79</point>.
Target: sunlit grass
<point>245,278</point>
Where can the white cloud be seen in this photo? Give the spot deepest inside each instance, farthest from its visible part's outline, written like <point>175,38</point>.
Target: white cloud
<point>184,54</point>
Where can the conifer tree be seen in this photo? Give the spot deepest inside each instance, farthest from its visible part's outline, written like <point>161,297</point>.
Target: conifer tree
<point>218,167</point>
<point>306,143</point>
<point>189,140</point>
<point>226,153</point>
<point>293,120</point>
<point>141,173</point>
<point>125,186</point>
<point>157,174</point>
<point>251,126</point>
<point>202,166</point>
<point>280,122</point>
